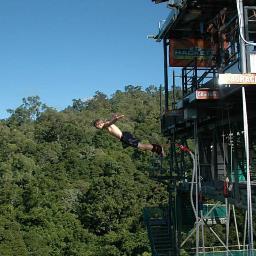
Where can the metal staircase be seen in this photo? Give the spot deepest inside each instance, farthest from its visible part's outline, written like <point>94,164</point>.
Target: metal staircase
<point>158,231</point>
<point>161,239</point>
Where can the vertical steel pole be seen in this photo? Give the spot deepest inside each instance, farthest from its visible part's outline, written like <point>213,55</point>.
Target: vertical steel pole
<point>227,224</point>
<point>160,99</point>
<point>249,193</point>
<point>166,86</point>
<point>245,229</point>
<point>241,41</point>
<point>173,90</point>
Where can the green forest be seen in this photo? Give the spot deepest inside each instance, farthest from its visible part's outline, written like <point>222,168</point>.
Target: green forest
<point>70,189</point>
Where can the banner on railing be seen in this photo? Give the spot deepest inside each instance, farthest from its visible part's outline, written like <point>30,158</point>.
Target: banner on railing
<point>244,79</point>
<point>183,51</point>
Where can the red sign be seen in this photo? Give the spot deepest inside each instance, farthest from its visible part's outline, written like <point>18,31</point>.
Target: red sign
<point>245,79</point>
<point>203,94</point>
<point>183,51</point>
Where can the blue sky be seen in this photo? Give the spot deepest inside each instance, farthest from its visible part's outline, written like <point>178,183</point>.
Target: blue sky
<point>67,49</point>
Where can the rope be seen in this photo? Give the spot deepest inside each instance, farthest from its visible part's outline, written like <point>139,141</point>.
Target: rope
<point>240,17</point>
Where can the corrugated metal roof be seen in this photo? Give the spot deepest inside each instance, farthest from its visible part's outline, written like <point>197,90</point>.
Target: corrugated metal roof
<point>188,16</point>
<point>159,1</point>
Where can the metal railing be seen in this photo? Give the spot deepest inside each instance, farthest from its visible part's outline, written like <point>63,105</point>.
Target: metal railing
<point>194,77</point>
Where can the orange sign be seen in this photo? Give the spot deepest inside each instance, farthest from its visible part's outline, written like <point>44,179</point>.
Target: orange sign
<point>245,79</point>
<point>183,51</point>
<point>203,94</point>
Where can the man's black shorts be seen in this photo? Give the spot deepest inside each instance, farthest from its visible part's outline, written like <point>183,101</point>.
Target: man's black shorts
<point>128,140</point>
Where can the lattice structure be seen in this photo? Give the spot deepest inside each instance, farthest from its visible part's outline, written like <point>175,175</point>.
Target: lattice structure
<point>215,124</point>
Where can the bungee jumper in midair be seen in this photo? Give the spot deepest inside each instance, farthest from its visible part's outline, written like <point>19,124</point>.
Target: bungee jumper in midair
<point>126,137</point>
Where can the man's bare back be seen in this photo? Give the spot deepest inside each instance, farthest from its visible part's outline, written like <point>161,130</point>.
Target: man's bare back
<point>110,126</point>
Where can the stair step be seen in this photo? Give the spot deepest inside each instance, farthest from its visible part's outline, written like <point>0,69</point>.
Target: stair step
<point>159,248</point>
<point>163,245</point>
<point>166,238</point>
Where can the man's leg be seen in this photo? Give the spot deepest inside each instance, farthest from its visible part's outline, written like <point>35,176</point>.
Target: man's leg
<point>152,147</point>
<point>145,146</point>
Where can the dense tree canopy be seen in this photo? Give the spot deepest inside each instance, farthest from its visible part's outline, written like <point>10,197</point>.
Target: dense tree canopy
<point>69,189</point>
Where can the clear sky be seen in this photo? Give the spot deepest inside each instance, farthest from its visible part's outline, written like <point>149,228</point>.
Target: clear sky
<point>67,49</point>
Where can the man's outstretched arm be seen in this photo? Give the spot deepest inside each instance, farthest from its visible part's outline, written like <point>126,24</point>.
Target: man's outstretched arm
<point>112,120</point>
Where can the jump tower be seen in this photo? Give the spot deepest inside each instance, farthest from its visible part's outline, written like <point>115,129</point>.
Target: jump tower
<point>209,52</point>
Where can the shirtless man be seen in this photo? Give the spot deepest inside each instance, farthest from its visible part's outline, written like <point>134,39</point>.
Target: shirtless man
<point>126,137</point>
